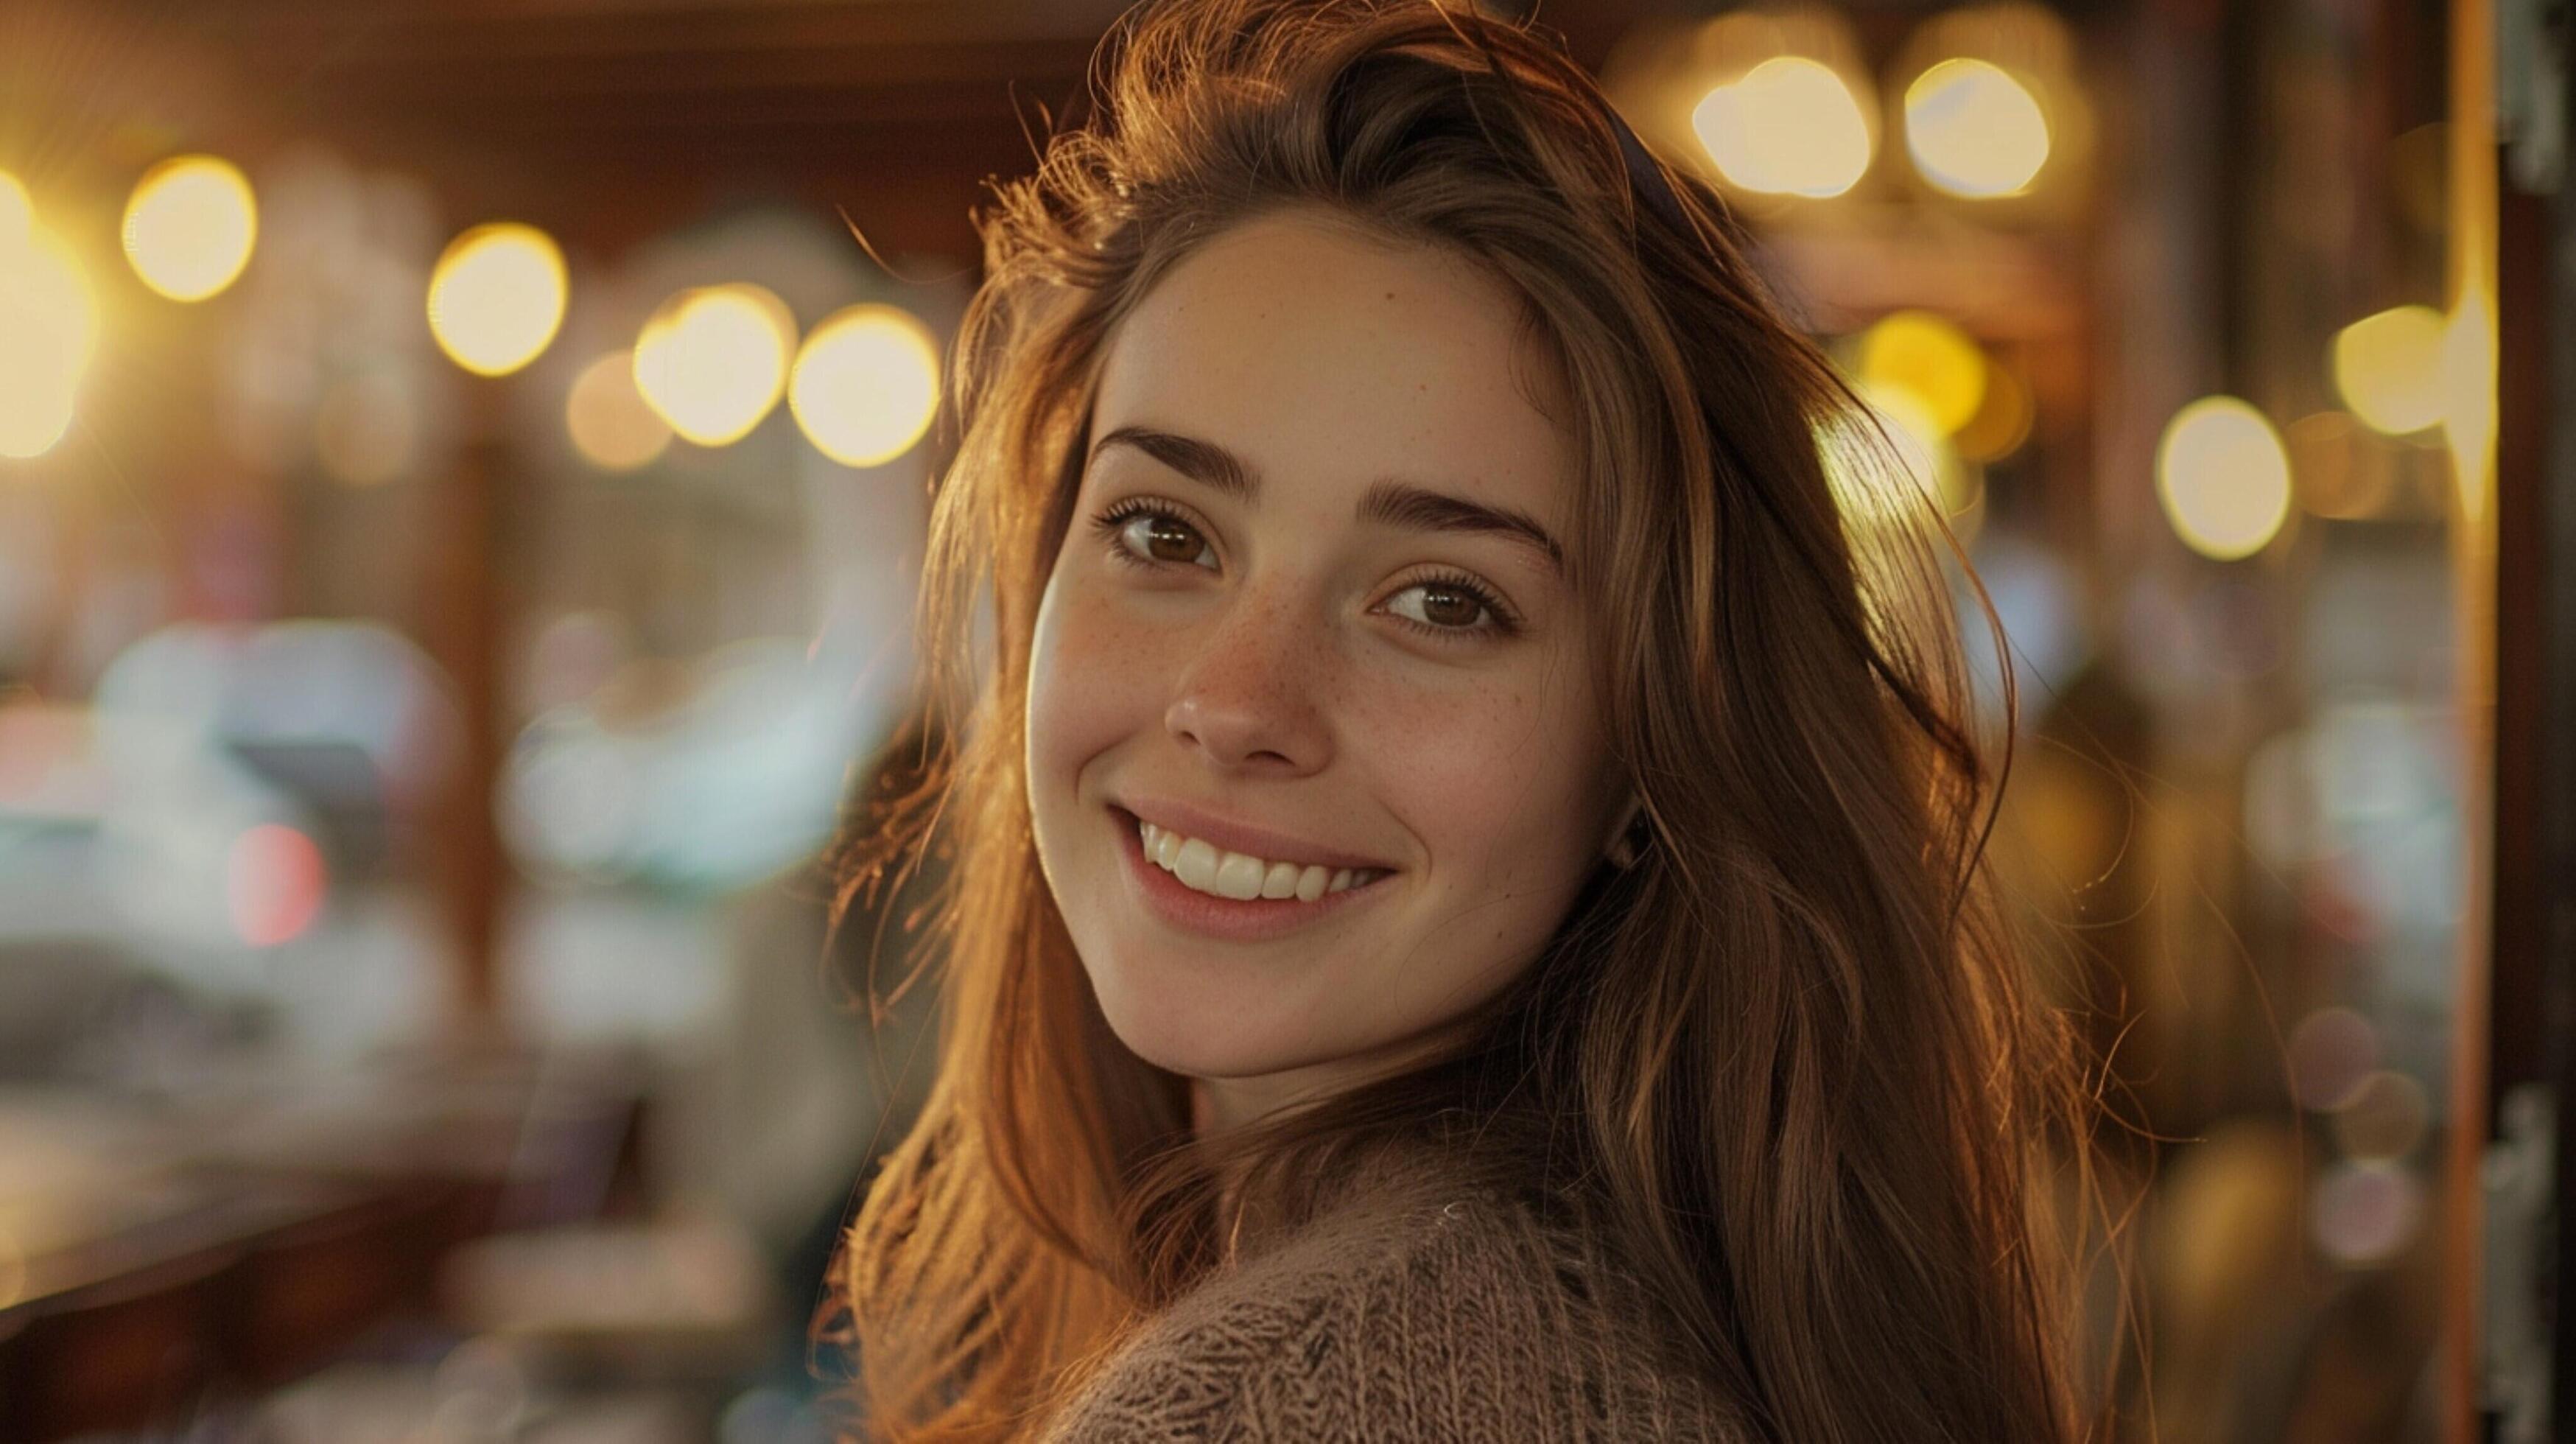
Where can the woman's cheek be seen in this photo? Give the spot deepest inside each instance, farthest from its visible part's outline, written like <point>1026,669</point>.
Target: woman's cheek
<point>1092,676</point>
<point>1493,779</point>
<point>1443,757</point>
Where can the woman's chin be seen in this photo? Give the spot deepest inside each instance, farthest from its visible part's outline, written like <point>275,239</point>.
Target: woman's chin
<point>1213,1042</point>
<point>1176,1045</point>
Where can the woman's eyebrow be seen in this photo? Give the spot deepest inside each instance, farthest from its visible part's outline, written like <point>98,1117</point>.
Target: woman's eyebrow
<point>1389,501</point>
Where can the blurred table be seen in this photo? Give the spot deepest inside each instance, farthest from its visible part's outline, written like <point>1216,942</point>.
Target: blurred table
<point>157,1247</point>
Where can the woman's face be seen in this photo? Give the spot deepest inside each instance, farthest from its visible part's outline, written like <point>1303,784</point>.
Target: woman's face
<point>1309,623</point>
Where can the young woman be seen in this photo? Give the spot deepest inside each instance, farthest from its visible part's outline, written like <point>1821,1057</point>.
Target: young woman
<point>1466,911</point>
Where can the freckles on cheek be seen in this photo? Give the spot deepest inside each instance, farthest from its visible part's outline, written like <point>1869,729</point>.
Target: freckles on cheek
<point>1461,765</point>
<point>1103,637</point>
<point>1093,680</point>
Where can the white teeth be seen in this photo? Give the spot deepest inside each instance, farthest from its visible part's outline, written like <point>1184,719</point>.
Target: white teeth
<point>1241,876</point>
<point>1195,866</point>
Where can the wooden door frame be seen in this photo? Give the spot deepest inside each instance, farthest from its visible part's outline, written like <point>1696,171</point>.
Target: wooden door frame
<point>2522,1022</point>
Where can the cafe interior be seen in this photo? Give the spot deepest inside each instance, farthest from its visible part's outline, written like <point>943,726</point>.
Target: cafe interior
<point>463,475</point>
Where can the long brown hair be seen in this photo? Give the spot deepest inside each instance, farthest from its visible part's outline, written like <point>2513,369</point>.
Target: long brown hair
<point>1789,1063</point>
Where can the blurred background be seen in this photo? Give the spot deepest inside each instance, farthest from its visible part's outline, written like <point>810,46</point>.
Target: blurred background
<point>462,481</point>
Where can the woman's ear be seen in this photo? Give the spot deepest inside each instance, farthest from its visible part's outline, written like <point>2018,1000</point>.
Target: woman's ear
<point>1627,835</point>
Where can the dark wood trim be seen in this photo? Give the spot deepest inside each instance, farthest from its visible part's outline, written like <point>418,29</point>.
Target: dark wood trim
<point>2556,844</point>
<point>2531,1032</point>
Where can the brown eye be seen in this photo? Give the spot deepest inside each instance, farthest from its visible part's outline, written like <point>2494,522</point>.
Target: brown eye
<point>1448,607</point>
<point>1145,535</point>
<point>1444,606</point>
<point>1171,540</point>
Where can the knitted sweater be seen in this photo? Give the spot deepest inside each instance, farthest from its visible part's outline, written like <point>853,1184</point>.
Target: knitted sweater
<point>1406,1316</point>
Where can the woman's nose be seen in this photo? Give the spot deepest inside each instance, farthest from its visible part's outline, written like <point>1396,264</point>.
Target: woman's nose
<point>1250,695</point>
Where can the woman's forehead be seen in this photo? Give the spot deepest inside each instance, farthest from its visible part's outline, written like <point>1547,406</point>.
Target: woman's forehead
<point>1318,353</point>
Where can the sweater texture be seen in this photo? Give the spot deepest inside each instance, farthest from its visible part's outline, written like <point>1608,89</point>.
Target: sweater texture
<point>1408,1311</point>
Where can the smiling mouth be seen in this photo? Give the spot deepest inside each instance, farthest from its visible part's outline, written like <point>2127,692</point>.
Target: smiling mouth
<point>1203,867</point>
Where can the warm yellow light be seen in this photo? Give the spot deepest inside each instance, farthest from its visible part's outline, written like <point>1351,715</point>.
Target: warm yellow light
<point>17,211</point>
<point>190,225</point>
<point>713,361</point>
<point>2389,369</point>
<point>2003,419</point>
<point>2224,477</point>
<point>1974,130</point>
<point>1931,358</point>
<point>496,297</point>
<point>48,328</point>
<point>1789,126</point>
<point>610,424</point>
<point>866,385</point>
<point>2469,393</point>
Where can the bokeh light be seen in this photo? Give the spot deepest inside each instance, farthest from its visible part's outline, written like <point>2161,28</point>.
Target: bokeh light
<point>866,384</point>
<point>1790,126</point>
<point>273,885</point>
<point>713,361</point>
<point>48,330</point>
<point>2224,478</point>
<point>190,226</point>
<point>2385,1117</point>
<point>574,796</point>
<point>1974,130</point>
<point>2365,1212</point>
<point>1932,359</point>
<point>497,296</point>
<point>2003,420</point>
<point>2388,368</point>
<point>609,422</point>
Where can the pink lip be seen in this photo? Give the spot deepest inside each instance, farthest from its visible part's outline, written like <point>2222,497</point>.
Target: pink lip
<point>1247,921</point>
<point>1230,836</point>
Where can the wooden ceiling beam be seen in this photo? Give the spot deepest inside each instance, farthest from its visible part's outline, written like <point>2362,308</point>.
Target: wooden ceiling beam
<point>344,33</point>
<point>722,79</point>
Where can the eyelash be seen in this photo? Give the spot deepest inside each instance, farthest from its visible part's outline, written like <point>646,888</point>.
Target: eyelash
<point>1111,526</point>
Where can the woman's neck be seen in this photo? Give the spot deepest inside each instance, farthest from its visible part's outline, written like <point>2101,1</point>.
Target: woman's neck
<point>1226,1104</point>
